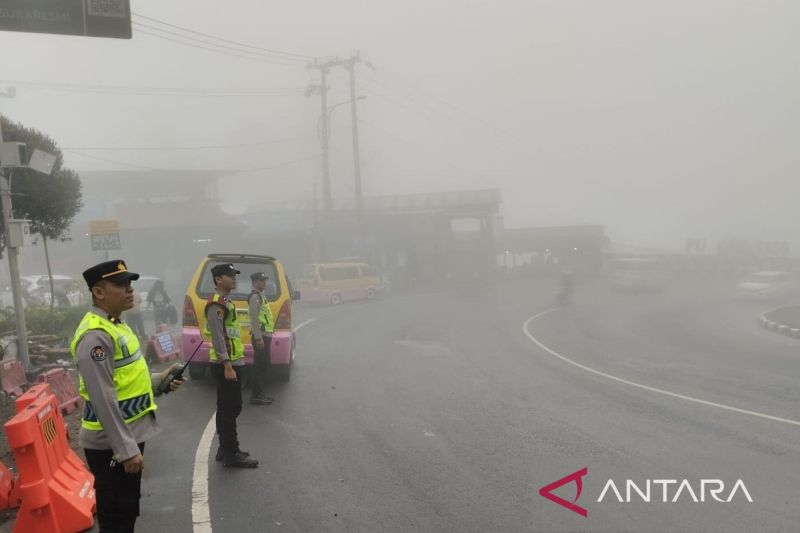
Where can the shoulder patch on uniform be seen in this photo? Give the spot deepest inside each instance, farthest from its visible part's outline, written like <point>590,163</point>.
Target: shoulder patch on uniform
<point>98,353</point>
<point>221,313</point>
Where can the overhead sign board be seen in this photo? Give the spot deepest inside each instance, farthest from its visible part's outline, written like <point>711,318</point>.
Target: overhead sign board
<point>91,18</point>
<point>104,235</point>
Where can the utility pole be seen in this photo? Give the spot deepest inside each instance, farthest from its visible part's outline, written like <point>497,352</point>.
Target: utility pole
<point>324,68</point>
<point>351,66</point>
<point>327,199</point>
<point>13,266</point>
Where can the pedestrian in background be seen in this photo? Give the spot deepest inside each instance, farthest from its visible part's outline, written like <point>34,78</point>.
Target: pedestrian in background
<point>159,300</point>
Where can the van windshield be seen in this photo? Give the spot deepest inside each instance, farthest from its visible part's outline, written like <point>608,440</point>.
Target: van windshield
<point>243,284</point>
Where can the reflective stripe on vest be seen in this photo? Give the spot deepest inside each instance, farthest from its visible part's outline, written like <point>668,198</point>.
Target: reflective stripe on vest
<point>264,314</point>
<point>132,379</point>
<point>233,330</point>
<point>129,408</point>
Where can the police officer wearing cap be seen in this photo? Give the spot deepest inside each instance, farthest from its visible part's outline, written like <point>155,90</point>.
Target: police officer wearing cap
<point>227,355</point>
<point>117,387</point>
<point>261,327</point>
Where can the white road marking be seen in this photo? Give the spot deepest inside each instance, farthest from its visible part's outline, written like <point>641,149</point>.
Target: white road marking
<point>201,514</point>
<point>307,322</point>
<point>646,387</point>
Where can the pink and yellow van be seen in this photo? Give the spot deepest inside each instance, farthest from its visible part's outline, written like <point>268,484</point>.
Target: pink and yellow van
<point>279,293</point>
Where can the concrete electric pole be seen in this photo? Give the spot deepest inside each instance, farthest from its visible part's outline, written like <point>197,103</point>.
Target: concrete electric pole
<point>13,263</point>
<point>327,199</point>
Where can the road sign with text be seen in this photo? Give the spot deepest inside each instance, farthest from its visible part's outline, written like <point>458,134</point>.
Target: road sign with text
<point>104,235</point>
<point>91,18</point>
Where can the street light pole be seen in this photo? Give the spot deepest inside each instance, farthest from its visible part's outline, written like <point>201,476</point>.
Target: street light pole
<point>327,199</point>
<point>13,266</point>
<point>356,152</point>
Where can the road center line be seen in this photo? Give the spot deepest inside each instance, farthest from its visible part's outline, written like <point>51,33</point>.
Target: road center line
<point>641,386</point>
<point>201,513</point>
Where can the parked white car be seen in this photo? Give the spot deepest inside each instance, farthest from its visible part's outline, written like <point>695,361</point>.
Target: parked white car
<point>36,291</point>
<point>767,285</point>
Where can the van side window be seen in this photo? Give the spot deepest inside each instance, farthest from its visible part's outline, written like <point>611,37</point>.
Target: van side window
<point>351,273</point>
<point>333,274</point>
<point>367,271</point>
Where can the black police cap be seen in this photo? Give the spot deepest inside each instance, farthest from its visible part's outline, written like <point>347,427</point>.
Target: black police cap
<point>115,271</point>
<point>226,269</point>
<point>258,275</point>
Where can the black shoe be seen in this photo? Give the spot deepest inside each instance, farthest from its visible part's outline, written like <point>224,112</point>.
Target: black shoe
<point>261,400</point>
<point>221,455</point>
<point>238,460</point>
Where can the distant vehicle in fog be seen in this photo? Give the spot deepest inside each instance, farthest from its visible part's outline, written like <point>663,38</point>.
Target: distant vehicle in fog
<point>767,285</point>
<point>36,291</point>
<point>334,283</point>
<point>636,273</point>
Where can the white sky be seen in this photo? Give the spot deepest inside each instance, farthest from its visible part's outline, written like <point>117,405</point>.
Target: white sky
<point>663,120</point>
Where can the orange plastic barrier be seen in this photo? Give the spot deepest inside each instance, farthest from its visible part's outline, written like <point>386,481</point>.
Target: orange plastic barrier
<point>37,392</point>
<point>56,488</point>
<point>162,346</point>
<point>6,487</point>
<point>63,386</point>
<point>12,378</point>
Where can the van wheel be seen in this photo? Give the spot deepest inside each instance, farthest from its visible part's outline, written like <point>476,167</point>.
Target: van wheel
<point>336,299</point>
<point>197,370</point>
<point>370,293</point>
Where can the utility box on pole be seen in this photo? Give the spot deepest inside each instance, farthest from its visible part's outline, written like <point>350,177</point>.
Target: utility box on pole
<point>19,233</point>
<point>13,154</point>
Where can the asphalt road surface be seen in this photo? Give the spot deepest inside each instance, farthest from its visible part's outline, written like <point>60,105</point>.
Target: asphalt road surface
<point>440,412</point>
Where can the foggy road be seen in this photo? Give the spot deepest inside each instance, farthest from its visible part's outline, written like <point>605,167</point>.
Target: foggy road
<point>436,412</point>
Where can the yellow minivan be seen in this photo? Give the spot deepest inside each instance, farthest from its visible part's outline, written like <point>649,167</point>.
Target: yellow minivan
<point>279,293</point>
<point>334,283</point>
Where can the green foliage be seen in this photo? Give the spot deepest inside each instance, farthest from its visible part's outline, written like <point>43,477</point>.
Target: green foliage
<point>61,321</point>
<point>49,202</point>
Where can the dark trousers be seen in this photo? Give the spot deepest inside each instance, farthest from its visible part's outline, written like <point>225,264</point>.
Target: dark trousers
<point>229,405</point>
<point>160,314</point>
<point>117,493</point>
<point>260,368</point>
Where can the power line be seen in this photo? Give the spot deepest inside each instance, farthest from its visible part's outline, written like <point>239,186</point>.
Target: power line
<point>162,91</point>
<point>177,148</point>
<point>232,171</point>
<point>132,165</point>
<point>223,52</point>
<point>268,50</point>
<point>280,165</point>
<point>149,88</point>
<point>256,56</point>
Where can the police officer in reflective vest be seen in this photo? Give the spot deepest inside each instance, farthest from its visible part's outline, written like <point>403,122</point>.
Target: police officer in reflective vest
<point>117,387</point>
<point>261,327</point>
<point>227,357</point>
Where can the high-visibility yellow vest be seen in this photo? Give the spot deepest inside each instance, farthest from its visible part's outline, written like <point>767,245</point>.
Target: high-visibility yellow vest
<point>131,374</point>
<point>233,329</point>
<point>264,314</point>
